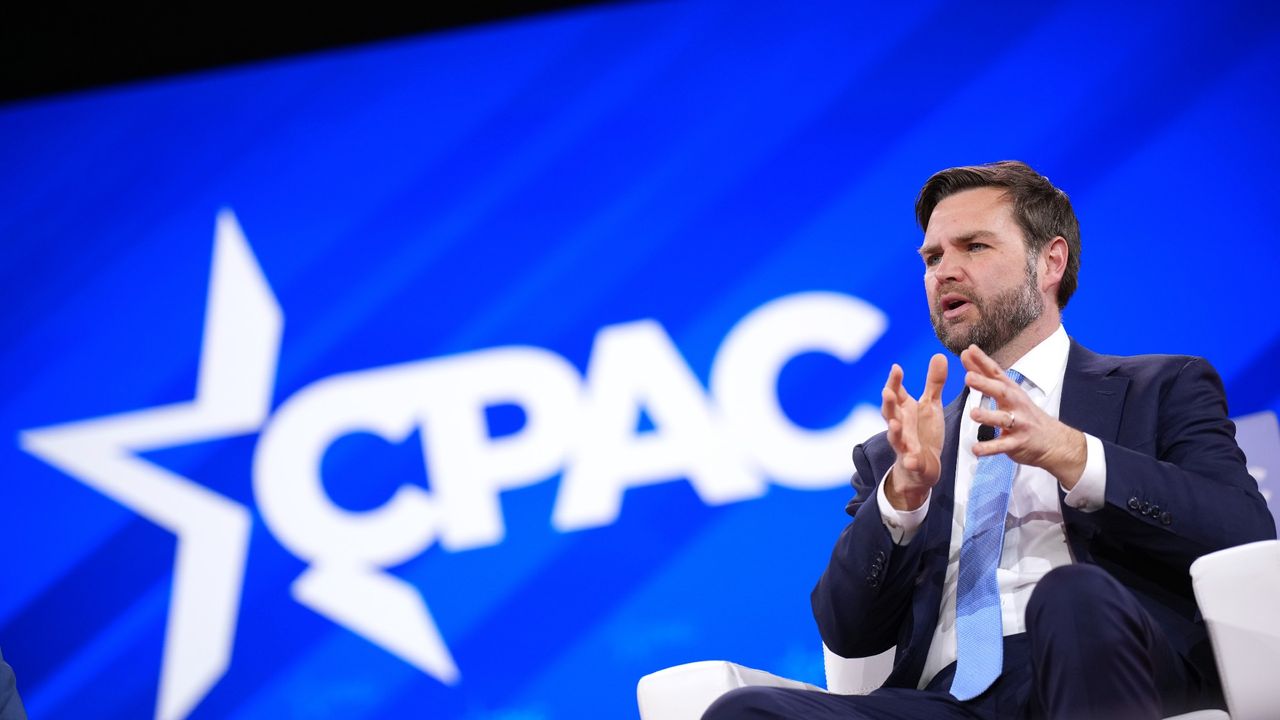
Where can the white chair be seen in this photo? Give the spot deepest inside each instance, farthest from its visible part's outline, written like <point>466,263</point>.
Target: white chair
<point>1238,590</point>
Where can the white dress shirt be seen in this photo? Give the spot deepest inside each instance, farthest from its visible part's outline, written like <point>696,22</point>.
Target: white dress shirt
<point>1035,540</point>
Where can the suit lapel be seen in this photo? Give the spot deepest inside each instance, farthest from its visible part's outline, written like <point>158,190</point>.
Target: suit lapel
<point>1092,398</point>
<point>1092,402</point>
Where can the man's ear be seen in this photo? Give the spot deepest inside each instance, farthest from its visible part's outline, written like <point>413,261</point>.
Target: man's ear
<point>1054,258</point>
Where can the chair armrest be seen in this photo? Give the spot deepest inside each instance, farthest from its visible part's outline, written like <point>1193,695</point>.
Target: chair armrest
<point>1237,590</point>
<point>684,692</point>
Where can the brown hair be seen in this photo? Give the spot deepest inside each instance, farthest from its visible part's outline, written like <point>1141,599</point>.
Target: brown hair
<point>1040,209</point>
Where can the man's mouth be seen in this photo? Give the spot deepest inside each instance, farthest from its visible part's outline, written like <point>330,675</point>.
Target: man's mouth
<point>953,305</point>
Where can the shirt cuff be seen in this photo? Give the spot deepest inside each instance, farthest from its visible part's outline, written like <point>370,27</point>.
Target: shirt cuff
<point>902,524</point>
<point>1090,492</point>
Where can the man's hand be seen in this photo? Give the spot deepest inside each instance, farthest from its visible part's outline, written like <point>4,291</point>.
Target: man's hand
<point>1028,435</point>
<point>915,432</point>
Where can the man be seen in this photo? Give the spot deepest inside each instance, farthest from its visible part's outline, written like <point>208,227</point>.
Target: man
<point>10,704</point>
<point>1027,547</point>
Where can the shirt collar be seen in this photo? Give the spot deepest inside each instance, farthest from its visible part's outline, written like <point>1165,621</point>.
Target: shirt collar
<point>1045,364</point>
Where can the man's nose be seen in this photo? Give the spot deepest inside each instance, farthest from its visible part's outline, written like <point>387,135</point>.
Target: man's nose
<point>947,269</point>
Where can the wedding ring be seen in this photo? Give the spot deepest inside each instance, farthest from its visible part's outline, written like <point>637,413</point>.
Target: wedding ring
<point>1012,419</point>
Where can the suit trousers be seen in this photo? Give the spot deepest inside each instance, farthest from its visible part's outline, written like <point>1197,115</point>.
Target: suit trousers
<point>1090,651</point>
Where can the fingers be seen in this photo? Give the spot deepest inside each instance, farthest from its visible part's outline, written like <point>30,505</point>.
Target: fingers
<point>988,378</point>
<point>1001,445</point>
<point>1022,434</point>
<point>1009,440</point>
<point>977,361</point>
<point>915,427</point>
<point>889,405</point>
<point>892,394</point>
<point>1001,388</point>
<point>936,378</point>
<point>892,408</point>
<point>895,436</point>
<point>905,445</point>
<point>894,383</point>
<point>1001,418</point>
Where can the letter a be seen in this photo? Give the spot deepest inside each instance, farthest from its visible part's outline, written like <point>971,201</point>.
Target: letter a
<point>635,366</point>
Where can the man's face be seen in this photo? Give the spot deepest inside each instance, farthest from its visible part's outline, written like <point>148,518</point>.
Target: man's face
<point>980,281</point>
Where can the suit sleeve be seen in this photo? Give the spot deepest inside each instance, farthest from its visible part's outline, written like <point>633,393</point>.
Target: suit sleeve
<point>1185,491</point>
<point>863,598</point>
<point>10,704</point>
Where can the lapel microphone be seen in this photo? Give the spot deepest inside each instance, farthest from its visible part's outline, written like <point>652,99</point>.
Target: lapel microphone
<point>985,433</point>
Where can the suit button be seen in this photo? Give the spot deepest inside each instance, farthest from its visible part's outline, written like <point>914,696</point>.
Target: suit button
<point>880,556</point>
<point>1155,511</point>
<point>1166,518</point>
<point>1133,503</point>
<point>1144,507</point>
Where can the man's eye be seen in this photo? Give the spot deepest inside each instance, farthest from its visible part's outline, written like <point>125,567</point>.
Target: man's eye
<point>932,260</point>
<point>978,246</point>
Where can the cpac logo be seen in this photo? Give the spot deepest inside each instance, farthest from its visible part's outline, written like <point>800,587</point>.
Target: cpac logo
<point>728,444</point>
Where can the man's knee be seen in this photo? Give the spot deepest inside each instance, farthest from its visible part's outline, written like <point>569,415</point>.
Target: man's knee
<point>747,702</point>
<point>1083,604</point>
<point>1095,651</point>
<point>1068,588</point>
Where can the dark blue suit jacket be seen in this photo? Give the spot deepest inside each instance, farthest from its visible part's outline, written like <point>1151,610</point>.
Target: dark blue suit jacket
<point>1177,488</point>
<point>10,704</point>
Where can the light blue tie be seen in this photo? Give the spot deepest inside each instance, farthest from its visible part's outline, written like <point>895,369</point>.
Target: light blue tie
<point>979,631</point>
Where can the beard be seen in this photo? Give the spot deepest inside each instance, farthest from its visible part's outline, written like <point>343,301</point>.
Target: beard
<point>1000,318</point>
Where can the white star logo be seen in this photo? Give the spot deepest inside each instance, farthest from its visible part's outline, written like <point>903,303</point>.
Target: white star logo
<point>242,331</point>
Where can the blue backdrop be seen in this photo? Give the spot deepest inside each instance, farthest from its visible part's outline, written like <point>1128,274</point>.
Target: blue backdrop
<point>477,375</point>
